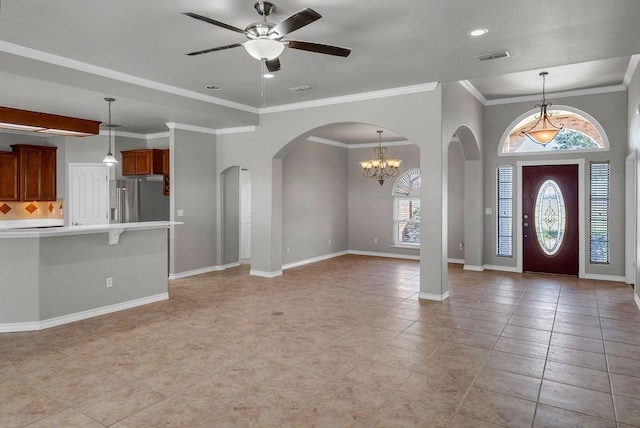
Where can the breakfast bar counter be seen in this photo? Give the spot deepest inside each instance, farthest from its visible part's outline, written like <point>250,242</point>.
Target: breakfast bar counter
<point>56,275</point>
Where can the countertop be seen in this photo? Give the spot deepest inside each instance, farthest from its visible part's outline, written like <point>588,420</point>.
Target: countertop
<point>113,228</point>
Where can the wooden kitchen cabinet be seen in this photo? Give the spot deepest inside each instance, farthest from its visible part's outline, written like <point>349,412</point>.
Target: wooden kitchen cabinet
<point>145,161</point>
<point>9,176</point>
<point>36,172</point>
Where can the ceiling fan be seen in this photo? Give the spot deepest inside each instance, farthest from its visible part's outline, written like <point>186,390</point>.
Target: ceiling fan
<point>266,39</point>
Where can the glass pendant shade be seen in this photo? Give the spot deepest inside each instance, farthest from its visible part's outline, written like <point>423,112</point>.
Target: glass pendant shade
<point>109,159</point>
<point>543,136</point>
<point>543,131</point>
<point>263,49</point>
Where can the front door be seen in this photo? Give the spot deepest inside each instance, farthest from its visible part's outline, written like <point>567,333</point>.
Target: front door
<point>550,219</point>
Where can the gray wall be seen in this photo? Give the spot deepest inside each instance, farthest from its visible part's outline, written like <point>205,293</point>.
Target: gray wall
<point>315,186</point>
<point>610,110</point>
<point>19,290</point>
<point>633,114</point>
<point>231,215</point>
<point>455,203</point>
<point>194,189</point>
<point>371,205</point>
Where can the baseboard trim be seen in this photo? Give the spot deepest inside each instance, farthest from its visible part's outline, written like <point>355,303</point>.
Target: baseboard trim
<point>194,272</point>
<point>434,297</point>
<point>389,255</point>
<point>231,265</point>
<point>456,261</point>
<point>265,274</point>
<point>501,268</point>
<point>598,277</point>
<point>314,260</point>
<point>78,316</point>
<point>473,268</point>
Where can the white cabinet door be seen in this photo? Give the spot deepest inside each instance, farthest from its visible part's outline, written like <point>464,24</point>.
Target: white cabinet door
<point>88,194</point>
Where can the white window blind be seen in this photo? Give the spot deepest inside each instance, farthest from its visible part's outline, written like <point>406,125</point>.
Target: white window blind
<point>406,208</point>
<point>599,212</point>
<point>504,210</point>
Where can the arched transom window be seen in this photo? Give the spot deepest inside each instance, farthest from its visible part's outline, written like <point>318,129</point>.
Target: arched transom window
<point>406,209</point>
<point>580,133</point>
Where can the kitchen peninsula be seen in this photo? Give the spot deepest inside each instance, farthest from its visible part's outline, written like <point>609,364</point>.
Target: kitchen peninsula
<point>53,276</point>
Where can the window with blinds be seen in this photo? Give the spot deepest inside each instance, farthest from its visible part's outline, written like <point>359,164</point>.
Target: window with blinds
<point>406,209</point>
<point>504,211</point>
<point>599,212</point>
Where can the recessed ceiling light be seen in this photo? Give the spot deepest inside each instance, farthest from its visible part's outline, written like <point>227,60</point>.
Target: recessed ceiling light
<point>268,76</point>
<point>213,87</point>
<point>478,32</point>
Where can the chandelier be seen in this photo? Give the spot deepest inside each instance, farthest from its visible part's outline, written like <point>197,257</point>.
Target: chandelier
<point>542,131</point>
<point>380,169</point>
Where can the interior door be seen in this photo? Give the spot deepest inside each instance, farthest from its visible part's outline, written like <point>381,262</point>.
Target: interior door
<point>89,194</point>
<point>550,219</point>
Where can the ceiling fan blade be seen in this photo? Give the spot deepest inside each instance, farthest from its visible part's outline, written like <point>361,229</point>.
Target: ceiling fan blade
<point>273,65</point>
<point>219,48</point>
<point>214,22</point>
<point>318,48</point>
<point>298,20</point>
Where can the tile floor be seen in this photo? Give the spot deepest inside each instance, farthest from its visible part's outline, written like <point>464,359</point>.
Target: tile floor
<point>344,342</point>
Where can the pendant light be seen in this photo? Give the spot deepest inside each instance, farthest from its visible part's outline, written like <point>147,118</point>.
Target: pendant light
<point>109,159</point>
<point>542,131</point>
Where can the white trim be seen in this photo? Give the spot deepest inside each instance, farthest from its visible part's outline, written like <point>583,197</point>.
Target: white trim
<point>636,298</point>
<point>313,260</point>
<point>157,135</point>
<point>599,277</point>
<point>194,272</point>
<point>581,208</point>
<point>425,87</point>
<point>105,133</point>
<point>562,94</point>
<point>631,69</point>
<point>66,319</point>
<point>236,130</point>
<point>474,268</point>
<point>435,297</point>
<point>231,265</point>
<point>501,268</point>
<point>185,127</point>
<point>265,274</point>
<point>386,144</point>
<point>26,52</point>
<point>456,261</point>
<point>389,255</point>
<point>630,217</point>
<point>473,91</point>
<point>328,142</point>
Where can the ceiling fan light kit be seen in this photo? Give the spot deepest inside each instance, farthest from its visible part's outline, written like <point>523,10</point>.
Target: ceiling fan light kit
<point>266,40</point>
<point>542,131</point>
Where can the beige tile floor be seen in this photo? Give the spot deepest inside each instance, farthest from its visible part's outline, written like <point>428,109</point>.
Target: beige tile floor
<point>339,343</point>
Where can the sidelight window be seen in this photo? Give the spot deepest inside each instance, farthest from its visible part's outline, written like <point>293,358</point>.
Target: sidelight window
<point>599,212</point>
<point>504,211</point>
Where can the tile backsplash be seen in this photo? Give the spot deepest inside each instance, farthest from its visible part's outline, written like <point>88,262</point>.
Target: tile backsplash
<point>12,210</point>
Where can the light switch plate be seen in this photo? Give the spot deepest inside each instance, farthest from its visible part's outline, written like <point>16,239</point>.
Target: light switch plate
<point>487,211</point>
<point>180,213</point>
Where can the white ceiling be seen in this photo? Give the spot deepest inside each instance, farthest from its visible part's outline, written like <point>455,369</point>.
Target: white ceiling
<point>64,56</point>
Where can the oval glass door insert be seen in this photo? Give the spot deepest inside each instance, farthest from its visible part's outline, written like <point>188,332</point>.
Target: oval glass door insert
<point>550,217</point>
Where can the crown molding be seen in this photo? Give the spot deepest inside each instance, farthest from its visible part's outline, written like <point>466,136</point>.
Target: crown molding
<point>157,135</point>
<point>426,87</point>
<point>328,142</point>
<point>358,146</point>
<point>73,64</point>
<point>631,69</point>
<point>221,131</point>
<point>237,130</point>
<point>473,91</point>
<point>563,94</point>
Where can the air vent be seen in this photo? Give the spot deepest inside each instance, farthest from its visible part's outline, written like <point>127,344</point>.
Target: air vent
<point>494,55</point>
<point>213,87</point>
<point>301,88</point>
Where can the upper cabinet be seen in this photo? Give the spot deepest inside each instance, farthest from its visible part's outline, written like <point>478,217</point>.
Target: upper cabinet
<point>145,161</point>
<point>28,173</point>
<point>9,176</point>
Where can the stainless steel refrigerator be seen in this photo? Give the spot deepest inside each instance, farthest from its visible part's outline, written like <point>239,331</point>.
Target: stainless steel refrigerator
<point>135,199</point>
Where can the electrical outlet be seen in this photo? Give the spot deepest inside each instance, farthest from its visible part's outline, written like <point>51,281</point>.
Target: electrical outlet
<point>39,211</point>
<point>329,242</point>
<point>461,246</point>
<point>109,282</point>
<point>288,250</point>
<point>375,240</point>
<point>180,213</point>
